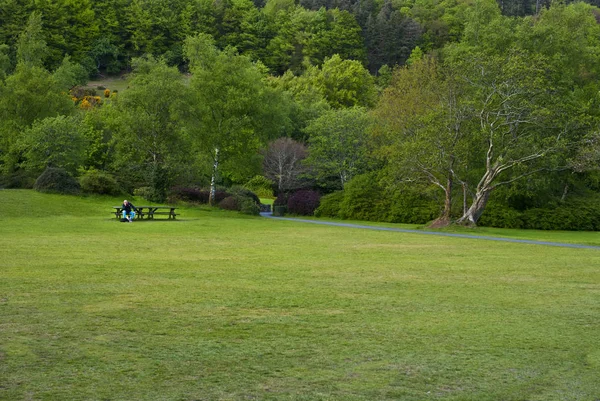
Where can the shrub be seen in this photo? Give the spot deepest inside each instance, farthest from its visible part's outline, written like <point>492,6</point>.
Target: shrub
<point>106,92</point>
<point>190,194</point>
<point>303,202</point>
<point>18,179</point>
<point>229,203</point>
<point>242,192</point>
<point>330,205</point>
<point>281,200</point>
<point>99,182</point>
<point>143,192</point>
<point>220,195</point>
<point>364,199</point>
<point>574,214</point>
<point>241,199</point>
<point>498,215</point>
<point>248,206</point>
<point>411,205</point>
<point>56,180</point>
<point>261,186</point>
<point>279,210</point>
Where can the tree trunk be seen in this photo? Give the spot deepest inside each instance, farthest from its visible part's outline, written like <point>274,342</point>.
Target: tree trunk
<point>448,200</point>
<point>213,179</point>
<point>472,215</point>
<point>444,219</point>
<point>464,188</point>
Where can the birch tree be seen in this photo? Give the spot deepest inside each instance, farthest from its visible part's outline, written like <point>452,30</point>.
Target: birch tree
<point>235,111</point>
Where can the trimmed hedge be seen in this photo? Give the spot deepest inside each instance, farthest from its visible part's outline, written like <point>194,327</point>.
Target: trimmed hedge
<point>57,180</point>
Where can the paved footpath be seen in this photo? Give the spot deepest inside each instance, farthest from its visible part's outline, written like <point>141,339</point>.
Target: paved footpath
<point>403,230</point>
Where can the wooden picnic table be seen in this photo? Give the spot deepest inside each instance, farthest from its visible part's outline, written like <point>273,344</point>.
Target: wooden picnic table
<point>148,212</point>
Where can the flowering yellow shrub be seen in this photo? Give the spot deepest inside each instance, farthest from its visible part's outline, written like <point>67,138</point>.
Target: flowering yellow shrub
<point>106,92</point>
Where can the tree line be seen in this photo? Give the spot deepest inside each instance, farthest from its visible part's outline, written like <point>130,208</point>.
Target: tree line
<point>493,109</point>
<point>103,36</point>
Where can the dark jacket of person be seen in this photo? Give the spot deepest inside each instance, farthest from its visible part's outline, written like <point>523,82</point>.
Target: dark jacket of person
<point>127,207</point>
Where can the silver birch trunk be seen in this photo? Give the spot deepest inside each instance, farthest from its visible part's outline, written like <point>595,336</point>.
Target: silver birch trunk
<point>213,179</point>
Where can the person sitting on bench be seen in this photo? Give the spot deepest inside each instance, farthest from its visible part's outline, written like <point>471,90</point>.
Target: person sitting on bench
<point>128,211</point>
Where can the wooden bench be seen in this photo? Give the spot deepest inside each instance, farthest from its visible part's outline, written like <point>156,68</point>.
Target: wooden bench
<point>148,212</point>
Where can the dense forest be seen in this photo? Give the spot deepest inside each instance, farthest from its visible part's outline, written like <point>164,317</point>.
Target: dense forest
<point>442,111</point>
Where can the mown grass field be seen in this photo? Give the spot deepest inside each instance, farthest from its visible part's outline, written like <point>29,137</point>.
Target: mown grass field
<point>220,306</point>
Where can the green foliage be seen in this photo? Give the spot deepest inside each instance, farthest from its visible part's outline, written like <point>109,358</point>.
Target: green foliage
<point>338,144</point>
<point>261,186</point>
<point>390,35</point>
<point>99,182</point>
<point>248,206</point>
<point>241,199</point>
<point>364,199</point>
<point>4,61</point>
<point>576,214</point>
<point>344,83</point>
<point>242,192</point>
<point>230,203</point>
<point>105,56</point>
<point>307,101</point>
<point>303,35</point>
<point>329,205</point>
<point>57,180</point>
<point>234,111</point>
<point>31,46</point>
<point>412,205</point>
<point>54,142</point>
<point>70,27</point>
<point>143,192</point>
<point>158,28</point>
<point>69,74</point>
<point>148,125</point>
<point>27,95</point>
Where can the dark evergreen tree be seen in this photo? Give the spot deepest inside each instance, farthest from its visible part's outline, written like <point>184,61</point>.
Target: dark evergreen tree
<point>390,37</point>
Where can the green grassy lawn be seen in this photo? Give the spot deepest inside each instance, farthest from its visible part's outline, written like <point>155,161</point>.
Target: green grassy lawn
<point>118,83</point>
<point>221,306</point>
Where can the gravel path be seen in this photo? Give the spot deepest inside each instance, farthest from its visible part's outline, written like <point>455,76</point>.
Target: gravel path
<point>403,230</point>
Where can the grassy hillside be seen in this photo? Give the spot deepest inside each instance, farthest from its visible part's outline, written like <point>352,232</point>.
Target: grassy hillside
<point>220,306</point>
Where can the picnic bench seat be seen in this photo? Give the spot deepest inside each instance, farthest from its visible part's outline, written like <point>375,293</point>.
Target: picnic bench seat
<point>148,212</point>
